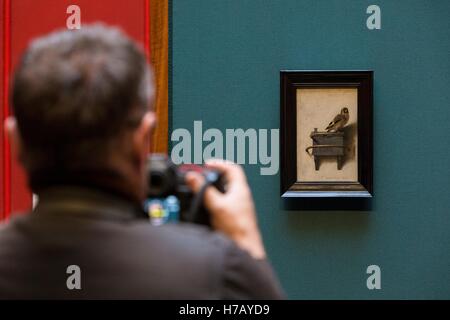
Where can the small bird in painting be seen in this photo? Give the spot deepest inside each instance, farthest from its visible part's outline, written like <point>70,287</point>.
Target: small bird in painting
<point>339,121</point>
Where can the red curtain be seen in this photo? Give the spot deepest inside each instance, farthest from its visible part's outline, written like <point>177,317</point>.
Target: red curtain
<point>23,20</point>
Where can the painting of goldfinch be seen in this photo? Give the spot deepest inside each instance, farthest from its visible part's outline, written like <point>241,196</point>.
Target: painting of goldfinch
<point>326,133</point>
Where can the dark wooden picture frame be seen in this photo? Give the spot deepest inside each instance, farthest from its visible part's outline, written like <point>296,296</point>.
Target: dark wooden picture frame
<point>290,82</point>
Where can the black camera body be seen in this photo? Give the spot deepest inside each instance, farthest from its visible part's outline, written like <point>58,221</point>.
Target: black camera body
<point>168,179</point>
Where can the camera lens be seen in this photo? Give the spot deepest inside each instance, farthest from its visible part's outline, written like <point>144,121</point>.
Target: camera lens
<point>161,176</point>
<point>157,182</point>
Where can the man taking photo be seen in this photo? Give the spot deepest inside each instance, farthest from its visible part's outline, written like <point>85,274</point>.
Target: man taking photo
<point>82,103</point>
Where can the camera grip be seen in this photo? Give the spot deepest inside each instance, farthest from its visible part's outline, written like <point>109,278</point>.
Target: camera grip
<point>197,212</point>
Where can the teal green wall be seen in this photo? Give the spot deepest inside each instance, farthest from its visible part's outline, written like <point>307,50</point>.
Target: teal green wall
<point>226,57</point>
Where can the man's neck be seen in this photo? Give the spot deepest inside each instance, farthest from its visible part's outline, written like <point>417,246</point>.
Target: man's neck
<point>107,180</point>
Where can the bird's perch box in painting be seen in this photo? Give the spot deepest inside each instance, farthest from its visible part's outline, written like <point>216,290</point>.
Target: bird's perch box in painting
<point>327,144</point>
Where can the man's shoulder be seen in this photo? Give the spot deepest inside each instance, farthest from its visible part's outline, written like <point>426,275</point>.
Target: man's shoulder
<point>176,259</point>
<point>185,237</point>
<point>196,239</point>
<point>8,228</point>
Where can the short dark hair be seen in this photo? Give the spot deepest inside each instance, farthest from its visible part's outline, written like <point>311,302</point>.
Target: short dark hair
<point>75,91</point>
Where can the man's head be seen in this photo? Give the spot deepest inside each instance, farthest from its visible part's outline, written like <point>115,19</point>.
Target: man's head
<point>81,101</point>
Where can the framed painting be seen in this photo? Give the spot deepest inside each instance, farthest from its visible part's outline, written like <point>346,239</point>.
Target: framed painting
<point>326,134</point>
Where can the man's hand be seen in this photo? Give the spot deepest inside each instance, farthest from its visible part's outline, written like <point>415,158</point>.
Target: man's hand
<point>232,212</point>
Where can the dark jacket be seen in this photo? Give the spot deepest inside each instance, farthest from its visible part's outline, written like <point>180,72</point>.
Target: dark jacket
<point>120,255</point>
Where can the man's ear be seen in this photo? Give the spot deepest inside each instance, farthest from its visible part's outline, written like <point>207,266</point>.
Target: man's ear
<point>13,134</point>
<point>143,133</point>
